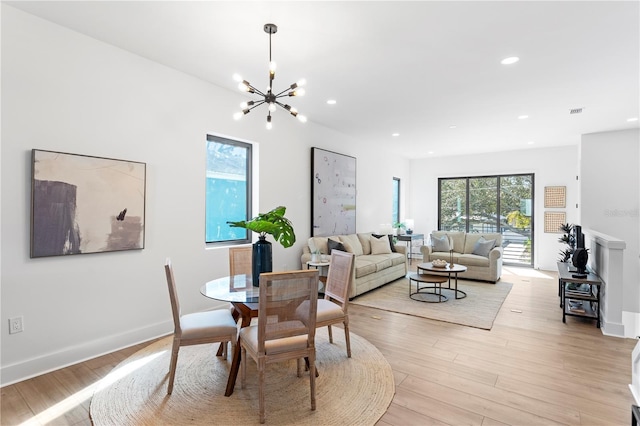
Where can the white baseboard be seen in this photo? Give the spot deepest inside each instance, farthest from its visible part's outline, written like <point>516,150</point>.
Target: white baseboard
<point>74,354</point>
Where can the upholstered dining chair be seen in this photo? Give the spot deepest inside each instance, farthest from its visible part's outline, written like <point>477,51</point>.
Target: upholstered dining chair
<point>286,327</point>
<point>196,328</point>
<point>333,309</point>
<point>240,260</point>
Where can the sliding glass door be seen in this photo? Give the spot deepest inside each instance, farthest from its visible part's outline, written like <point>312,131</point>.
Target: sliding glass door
<point>485,204</point>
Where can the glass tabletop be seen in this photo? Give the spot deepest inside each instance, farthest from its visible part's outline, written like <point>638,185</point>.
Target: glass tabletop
<point>429,266</point>
<point>238,288</point>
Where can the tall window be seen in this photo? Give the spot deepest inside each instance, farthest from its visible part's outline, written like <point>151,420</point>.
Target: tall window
<point>228,189</point>
<point>485,204</point>
<point>395,209</point>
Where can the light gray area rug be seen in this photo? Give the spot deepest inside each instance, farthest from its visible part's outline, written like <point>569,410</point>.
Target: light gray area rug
<point>479,309</point>
<point>349,391</point>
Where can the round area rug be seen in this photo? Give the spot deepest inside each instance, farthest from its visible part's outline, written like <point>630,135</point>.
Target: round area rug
<point>356,390</point>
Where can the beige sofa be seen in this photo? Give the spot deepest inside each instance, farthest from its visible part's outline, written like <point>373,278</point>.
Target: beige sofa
<point>371,270</point>
<point>479,267</point>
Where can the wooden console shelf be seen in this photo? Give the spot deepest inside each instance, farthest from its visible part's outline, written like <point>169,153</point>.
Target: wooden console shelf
<point>579,297</point>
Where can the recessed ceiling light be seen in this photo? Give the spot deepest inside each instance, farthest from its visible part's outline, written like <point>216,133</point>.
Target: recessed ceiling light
<point>331,101</point>
<point>523,117</point>
<point>632,119</point>
<point>510,60</point>
<point>395,134</point>
<point>453,126</point>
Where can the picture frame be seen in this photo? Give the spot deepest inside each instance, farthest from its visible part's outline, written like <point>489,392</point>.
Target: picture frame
<point>555,196</point>
<point>85,204</point>
<point>553,221</point>
<point>333,193</point>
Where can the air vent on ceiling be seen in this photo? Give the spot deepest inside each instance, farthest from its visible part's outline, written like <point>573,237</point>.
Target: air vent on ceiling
<point>575,111</point>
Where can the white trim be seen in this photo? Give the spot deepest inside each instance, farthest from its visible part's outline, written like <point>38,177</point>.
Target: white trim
<point>70,355</point>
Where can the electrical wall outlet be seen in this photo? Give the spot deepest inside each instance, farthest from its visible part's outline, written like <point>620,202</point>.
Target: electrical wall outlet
<point>15,325</point>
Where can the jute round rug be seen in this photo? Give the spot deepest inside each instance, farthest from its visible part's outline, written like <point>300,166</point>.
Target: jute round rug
<point>356,390</point>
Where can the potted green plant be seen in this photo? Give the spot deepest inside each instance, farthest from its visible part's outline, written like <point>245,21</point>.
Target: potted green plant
<point>568,239</point>
<point>399,226</point>
<point>272,223</point>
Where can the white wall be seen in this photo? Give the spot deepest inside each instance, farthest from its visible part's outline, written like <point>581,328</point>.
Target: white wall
<point>552,167</point>
<point>610,184</point>
<point>62,91</point>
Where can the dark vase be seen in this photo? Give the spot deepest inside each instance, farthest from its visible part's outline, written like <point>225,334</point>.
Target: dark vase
<point>262,259</point>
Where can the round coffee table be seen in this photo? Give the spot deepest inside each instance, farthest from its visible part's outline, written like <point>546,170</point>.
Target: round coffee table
<point>450,270</point>
<point>430,292</point>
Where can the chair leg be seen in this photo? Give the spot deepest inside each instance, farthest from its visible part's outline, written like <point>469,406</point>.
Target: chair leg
<point>330,334</point>
<point>346,337</point>
<point>173,364</point>
<point>261,368</point>
<point>299,365</point>
<point>312,378</point>
<point>243,368</point>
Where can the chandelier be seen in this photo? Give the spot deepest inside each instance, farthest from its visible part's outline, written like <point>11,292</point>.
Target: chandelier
<point>270,97</point>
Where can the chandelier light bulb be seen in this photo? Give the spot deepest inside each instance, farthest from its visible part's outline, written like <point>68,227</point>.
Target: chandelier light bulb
<point>302,118</point>
<point>272,107</point>
<point>269,125</point>
<point>301,82</point>
<point>237,77</point>
<point>237,115</point>
<point>244,105</point>
<point>299,92</point>
<point>272,67</point>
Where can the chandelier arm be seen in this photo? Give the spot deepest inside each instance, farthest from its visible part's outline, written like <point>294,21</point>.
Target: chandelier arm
<point>256,90</point>
<point>255,105</point>
<point>281,94</point>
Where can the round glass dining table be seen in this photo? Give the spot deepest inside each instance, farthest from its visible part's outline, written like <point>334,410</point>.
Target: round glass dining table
<point>240,292</point>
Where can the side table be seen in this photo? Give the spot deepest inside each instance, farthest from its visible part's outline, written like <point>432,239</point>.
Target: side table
<point>408,238</point>
<point>319,266</point>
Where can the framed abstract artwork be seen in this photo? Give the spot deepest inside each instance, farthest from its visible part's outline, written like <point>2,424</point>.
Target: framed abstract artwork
<point>83,204</point>
<point>333,193</point>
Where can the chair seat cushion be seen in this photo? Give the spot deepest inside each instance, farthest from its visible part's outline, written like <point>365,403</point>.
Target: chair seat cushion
<point>206,324</point>
<point>327,310</point>
<point>249,337</point>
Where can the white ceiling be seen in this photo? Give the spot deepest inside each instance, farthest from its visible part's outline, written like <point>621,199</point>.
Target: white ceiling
<point>415,68</point>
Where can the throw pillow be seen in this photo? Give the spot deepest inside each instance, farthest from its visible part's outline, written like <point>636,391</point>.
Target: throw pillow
<point>380,245</point>
<point>333,244</point>
<point>483,247</point>
<point>393,247</point>
<point>440,243</point>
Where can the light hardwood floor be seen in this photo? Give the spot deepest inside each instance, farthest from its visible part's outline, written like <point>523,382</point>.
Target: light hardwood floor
<point>530,369</point>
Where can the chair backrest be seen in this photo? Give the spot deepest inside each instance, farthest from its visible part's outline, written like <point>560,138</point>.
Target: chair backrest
<point>287,306</point>
<point>173,295</point>
<point>240,260</point>
<point>339,276</point>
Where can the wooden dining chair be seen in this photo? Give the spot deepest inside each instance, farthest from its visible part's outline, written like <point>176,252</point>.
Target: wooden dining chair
<point>240,260</point>
<point>286,327</point>
<point>333,309</point>
<point>196,328</point>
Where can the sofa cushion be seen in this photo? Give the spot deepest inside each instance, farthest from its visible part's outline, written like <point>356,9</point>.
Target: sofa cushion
<point>390,237</point>
<point>319,243</point>
<point>334,245</point>
<point>473,260</point>
<point>364,242</point>
<point>440,244</point>
<point>364,266</point>
<point>473,238</point>
<point>352,244</point>
<point>483,247</point>
<point>380,245</point>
